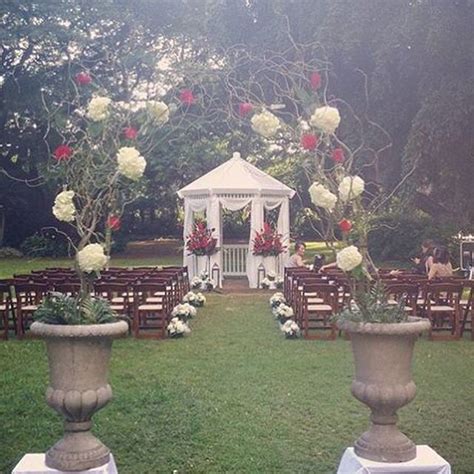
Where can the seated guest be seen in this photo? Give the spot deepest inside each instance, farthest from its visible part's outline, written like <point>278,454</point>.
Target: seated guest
<point>424,261</point>
<point>296,260</point>
<point>441,266</point>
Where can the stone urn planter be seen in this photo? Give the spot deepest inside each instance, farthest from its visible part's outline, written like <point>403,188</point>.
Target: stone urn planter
<point>78,359</point>
<point>383,381</point>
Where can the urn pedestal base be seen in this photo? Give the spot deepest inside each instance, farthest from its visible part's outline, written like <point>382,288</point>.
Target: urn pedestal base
<point>426,461</point>
<point>34,463</point>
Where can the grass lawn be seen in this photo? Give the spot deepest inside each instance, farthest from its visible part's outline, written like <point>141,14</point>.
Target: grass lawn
<point>235,396</point>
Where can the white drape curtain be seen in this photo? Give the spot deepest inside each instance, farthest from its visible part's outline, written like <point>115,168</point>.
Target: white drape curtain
<point>213,206</point>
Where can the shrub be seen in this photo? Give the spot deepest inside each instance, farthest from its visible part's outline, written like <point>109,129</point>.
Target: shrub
<point>45,245</point>
<point>10,252</point>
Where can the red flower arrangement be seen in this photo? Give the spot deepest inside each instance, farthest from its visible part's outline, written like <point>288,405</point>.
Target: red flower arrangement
<point>345,225</point>
<point>186,96</point>
<point>268,242</point>
<point>245,108</point>
<point>114,223</point>
<point>130,133</point>
<point>83,79</point>
<point>309,141</point>
<point>201,241</point>
<point>62,153</point>
<point>337,155</point>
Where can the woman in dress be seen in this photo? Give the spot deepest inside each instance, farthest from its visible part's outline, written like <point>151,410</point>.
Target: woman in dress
<point>296,260</point>
<point>441,266</point>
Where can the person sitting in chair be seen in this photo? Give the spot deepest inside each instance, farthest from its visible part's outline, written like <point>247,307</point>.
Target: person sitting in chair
<point>296,260</point>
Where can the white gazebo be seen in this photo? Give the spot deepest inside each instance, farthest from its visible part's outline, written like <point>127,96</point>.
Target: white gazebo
<point>232,186</point>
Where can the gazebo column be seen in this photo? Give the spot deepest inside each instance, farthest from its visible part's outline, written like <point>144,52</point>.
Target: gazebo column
<point>283,227</point>
<point>256,224</point>
<point>213,212</point>
<point>187,229</point>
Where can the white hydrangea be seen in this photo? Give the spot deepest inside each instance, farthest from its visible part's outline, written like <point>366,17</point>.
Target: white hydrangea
<point>351,187</point>
<point>184,311</point>
<point>265,123</point>
<point>176,327</point>
<point>92,258</point>
<point>284,311</point>
<point>290,328</point>
<point>63,208</point>
<point>98,108</point>
<point>159,110</point>
<point>322,197</point>
<point>276,299</point>
<point>326,118</point>
<point>349,258</point>
<point>194,299</point>
<point>130,163</point>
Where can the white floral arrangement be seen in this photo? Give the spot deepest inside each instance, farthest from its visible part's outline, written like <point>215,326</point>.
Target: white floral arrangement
<point>265,124</point>
<point>351,187</point>
<point>349,258</point>
<point>184,311</point>
<point>277,299</point>
<point>291,329</point>
<point>265,283</point>
<point>92,258</point>
<point>326,118</point>
<point>195,299</point>
<point>177,328</point>
<point>271,276</point>
<point>322,197</point>
<point>283,312</point>
<point>196,283</point>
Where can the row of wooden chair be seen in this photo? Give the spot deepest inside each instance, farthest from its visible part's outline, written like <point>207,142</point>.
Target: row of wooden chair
<point>316,297</point>
<point>145,296</point>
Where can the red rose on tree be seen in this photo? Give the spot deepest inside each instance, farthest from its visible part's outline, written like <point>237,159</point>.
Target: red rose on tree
<point>114,223</point>
<point>309,141</point>
<point>83,79</point>
<point>130,133</point>
<point>337,155</point>
<point>186,96</point>
<point>345,225</point>
<point>315,80</point>
<point>245,108</point>
<point>62,153</point>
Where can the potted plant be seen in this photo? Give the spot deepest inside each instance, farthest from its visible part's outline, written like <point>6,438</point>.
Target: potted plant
<point>96,162</point>
<point>305,122</point>
<point>268,244</point>
<point>202,245</point>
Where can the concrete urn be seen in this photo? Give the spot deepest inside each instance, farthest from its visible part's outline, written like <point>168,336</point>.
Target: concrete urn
<point>78,359</point>
<point>383,381</point>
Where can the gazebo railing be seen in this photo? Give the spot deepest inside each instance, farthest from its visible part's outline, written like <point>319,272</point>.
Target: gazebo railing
<point>234,257</point>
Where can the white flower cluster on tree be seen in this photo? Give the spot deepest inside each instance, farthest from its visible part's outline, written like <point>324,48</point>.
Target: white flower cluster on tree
<point>63,208</point>
<point>326,118</point>
<point>349,258</point>
<point>265,123</point>
<point>98,109</point>
<point>130,163</point>
<point>351,187</point>
<point>92,258</point>
<point>159,111</point>
<point>322,197</point>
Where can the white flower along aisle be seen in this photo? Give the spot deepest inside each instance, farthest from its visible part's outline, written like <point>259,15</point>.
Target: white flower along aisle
<point>232,186</point>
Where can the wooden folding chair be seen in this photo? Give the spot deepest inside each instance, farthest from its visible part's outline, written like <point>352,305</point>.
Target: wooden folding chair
<point>395,292</point>
<point>441,307</point>
<point>28,298</point>
<point>6,306</point>
<point>150,312</point>
<point>467,306</point>
<point>316,317</point>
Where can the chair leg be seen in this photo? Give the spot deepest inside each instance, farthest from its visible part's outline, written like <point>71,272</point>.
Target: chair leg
<point>20,332</point>
<point>5,325</point>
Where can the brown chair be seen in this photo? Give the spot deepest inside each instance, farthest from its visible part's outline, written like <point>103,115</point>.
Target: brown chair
<point>395,292</point>
<point>6,306</point>
<point>442,308</point>
<point>467,306</point>
<point>117,294</point>
<point>28,298</point>
<point>150,312</point>
<point>316,317</point>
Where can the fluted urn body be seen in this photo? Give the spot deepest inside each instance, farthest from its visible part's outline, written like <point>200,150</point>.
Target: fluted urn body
<point>383,381</point>
<point>78,359</point>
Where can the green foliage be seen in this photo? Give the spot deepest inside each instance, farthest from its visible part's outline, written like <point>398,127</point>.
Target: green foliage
<point>45,245</point>
<point>10,252</point>
<point>373,307</point>
<point>399,236</point>
<point>58,308</point>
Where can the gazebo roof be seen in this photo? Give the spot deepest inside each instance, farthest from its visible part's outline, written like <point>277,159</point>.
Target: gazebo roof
<point>236,176</point>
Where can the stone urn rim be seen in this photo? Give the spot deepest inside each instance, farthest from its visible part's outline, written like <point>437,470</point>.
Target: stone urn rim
<point>413,325</point>
<point>114,329</point>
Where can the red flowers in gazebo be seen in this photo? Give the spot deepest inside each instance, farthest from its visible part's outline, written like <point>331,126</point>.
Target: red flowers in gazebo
<point>201,241</point>
<point>268,242</point>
